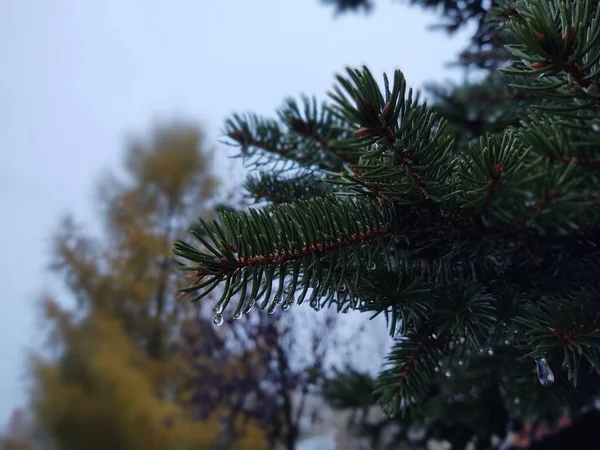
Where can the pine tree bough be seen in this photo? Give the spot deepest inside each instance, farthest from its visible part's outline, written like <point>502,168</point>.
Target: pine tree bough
<point>478,253</point>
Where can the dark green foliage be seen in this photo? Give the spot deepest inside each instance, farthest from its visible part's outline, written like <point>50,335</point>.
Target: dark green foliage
<point>472,225</point>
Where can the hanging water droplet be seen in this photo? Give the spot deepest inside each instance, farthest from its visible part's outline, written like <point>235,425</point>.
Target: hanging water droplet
<point>271,309</point>
<point>372,265</point>
<point>596,128</point>
<point>218,320</point>
<point>237,315</point>
<point>436,368</point>
<point>433,336</point>
<point>314,283</point>
<point>218,309</point>
<point>517,400</point>
<point>278,297</point>
<point>341,287</point>
<point>490,351</point>
<point>461,362</point>
<point>285,306</point>
<point>544,372</point>
<point>462,340</point>
<point>506,341</point>
<point>447,373</point>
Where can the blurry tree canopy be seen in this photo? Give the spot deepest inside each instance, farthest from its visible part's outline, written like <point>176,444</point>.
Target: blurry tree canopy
<point>113,379</point>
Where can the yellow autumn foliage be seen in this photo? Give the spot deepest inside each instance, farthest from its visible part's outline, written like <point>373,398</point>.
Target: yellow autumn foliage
<point>114,381</point>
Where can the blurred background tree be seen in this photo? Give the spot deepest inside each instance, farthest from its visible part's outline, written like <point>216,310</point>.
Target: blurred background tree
<point>113,379</point>
<point>269,369</point>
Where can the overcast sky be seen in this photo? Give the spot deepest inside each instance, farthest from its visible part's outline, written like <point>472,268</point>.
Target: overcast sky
<point>78,75</point>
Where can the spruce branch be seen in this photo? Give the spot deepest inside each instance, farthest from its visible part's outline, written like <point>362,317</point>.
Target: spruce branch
<point>316,122</point>
<point>410,160</point>
<point>412,368</point>
<point>314,242</point>
<point>277,188</point>
<point>559,44</point>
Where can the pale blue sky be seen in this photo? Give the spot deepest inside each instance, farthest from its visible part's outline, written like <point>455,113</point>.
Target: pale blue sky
<point>77,75</point>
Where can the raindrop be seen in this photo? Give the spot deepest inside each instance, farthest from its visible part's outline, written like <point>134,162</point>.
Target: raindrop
<point>271,309</point>
<point>517,400</point>
<point>596,128</point>
<point>218,319</point>
<point>278,297</point>
<point>461,362</point>
<point>490,351</point>
<point>462,340</point>
<point>237,315</point>
<point>437,369</point>
<point>285,306</point>
<point>372,266</point>
<point>434,336</point>
<point>314,283</point>
<point>506,342</point>
<point>447,374</point>
<point>544,372</point>
<point>218,309</point>
<point>341,287</point>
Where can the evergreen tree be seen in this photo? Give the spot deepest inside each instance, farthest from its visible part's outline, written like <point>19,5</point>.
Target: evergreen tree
<point>115,381</point>
<point>471,225</point>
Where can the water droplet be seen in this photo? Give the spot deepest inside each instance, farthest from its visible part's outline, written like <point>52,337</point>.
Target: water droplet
<point>506,341</point>
<point>278,297</point>
<point>218,309</point>
<point>271,309</point>
<point>462,340</point>
<point>490,351</point>
<point>517,400</point>
<point>314,283</point>
<point>436,368</point>
<point>461,362</point>
<point>237,315</point>
<point>372,265</point>
<point>285,306</point>
<point>596,128</point>
<point>218,320</point>
<point>447,373</point>
<point>433,336</point>
<point>544,372</point>
<point>341,287</point>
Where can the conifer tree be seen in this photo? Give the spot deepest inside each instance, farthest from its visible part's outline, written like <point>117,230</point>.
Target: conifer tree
<point>470,224</point>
